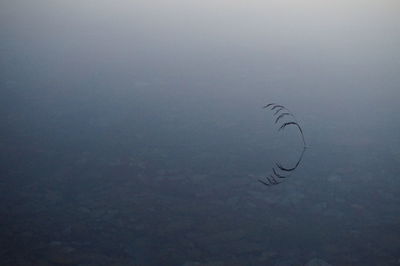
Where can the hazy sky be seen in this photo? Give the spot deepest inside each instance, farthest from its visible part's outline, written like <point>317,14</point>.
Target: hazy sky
<point>320,50</point>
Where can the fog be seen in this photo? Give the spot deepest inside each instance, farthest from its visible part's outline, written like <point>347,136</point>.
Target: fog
<point>133,133</point>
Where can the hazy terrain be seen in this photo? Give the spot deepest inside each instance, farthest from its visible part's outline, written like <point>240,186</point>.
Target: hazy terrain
<point>132,132</point>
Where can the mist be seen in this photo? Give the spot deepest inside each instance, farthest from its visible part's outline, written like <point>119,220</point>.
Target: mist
<point>133,133</point>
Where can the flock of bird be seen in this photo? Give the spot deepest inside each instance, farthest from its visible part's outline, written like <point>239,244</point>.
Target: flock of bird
<point>280,172</point>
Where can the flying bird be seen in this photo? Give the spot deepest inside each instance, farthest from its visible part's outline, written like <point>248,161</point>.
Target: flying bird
<point>297,125</point>
<point>277,174</point>
<point>268,105</point>
<point>277,106</point>
<point>271,179</point>
<point>277,111</point>
<point>281,116</point>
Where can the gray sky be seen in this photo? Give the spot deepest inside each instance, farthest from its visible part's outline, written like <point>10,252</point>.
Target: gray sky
<point>319,50</point>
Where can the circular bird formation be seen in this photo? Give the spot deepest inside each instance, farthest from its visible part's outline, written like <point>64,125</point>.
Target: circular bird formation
<point>280,172</point>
